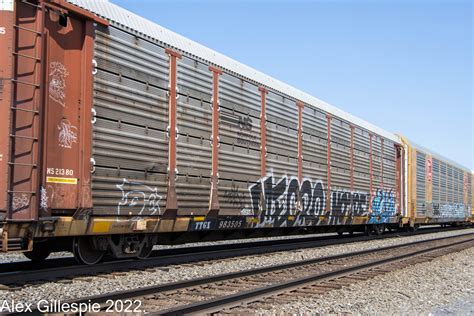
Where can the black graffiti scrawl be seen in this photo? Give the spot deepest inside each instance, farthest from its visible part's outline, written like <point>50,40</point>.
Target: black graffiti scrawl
<point>277,198</point>
<point>274,200</point>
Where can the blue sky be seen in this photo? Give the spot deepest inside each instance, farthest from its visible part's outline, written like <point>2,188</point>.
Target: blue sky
<point>405,66</point>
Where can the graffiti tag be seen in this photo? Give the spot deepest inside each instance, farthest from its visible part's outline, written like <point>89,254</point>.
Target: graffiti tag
<point>234,197</point>
<point>67,134</point>
<point>456,210</point>
<point>20,202</point>
<point>138,196</point>
<point>57,82</point>
<point>43,199</point>
<point>383,207</point>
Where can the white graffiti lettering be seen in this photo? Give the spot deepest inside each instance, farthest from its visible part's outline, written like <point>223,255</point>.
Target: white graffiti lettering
<point>20,202</point>
<point>57,82</point>
<point>138,197</point>
<point>67,134</point>
<point>44,199</point>
<point>456,210</point>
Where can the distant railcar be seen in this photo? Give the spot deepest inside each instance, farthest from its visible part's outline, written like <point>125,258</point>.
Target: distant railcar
<point>118,134</point>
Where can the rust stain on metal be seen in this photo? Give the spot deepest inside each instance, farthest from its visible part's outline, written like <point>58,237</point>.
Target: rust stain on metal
<point>214,198</point>
<point>24,158</point>
<point>50,130</point>
<point>6,67</point>
<point>263,132</point>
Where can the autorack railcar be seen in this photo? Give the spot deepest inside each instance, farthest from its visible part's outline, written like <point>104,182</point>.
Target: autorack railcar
<point>118,134</point>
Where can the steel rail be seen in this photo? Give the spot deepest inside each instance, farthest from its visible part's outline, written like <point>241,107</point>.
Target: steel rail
<point>61,267</point>
<point>155,289</point>
<point>234,300</point>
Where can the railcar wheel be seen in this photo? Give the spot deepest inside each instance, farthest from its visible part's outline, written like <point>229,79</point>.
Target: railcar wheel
<point>39,253</point>
<point>379,229</point>
<point>369,230</point>
<point>85,252</point>
<point>146,250</point>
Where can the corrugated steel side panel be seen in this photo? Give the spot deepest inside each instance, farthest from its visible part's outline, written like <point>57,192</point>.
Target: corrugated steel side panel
<point>471,193</point>
<point>134,23</point>
<point>436,181</point>
<point>315,145</point>
<point>389,165</point>
<point>420,184</point>
<point>128,192</point>
<point>443,181</point>
<point>130,146</point>
<point>234,195</point>
<point>447,190</point>
<point>130,135</point>
<point>450,184</point>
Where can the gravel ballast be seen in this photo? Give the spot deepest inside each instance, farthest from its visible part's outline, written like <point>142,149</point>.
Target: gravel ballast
<point>87,286</point>
<point>442,286</point>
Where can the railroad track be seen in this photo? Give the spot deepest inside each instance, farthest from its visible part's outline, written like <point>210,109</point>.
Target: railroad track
<point>15,275</point>
<point>244,291</point>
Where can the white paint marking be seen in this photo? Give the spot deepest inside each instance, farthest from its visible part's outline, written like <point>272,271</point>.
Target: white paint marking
<point>6,5</point>
<point>67,134</point>
<point>57,82</point>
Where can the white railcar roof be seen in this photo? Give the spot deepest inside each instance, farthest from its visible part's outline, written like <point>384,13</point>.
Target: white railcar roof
<point>131,21</point>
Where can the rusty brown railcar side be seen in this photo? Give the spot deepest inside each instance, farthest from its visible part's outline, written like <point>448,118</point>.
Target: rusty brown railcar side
<point>46,111</point>
<point>6,67</point>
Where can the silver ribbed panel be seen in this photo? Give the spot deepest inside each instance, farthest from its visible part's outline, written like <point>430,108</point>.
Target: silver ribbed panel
<point>194,78</point>
<point>107,192</point>
<point>469,190</point>
<point>193,155</point>
<point>443,187</point>
<point>340,151</point>
<point>240,95</point>
<point>135,24</point>
<point>315,171</point>
<point>420,183</point>
<point>121,53</point>
<point>193,195</point>
<point>436,198</point>
<point>233,195</point>
<point>238,163</point>
<point>450,184</point>
<point>280,166</point>
<point>282,140</point>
